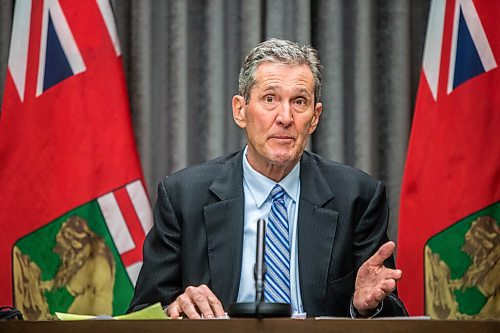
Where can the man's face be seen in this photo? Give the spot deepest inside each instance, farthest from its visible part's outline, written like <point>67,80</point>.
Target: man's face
<point>279,117</point>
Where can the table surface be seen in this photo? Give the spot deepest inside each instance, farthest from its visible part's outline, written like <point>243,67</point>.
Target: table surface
<point>253,325</point>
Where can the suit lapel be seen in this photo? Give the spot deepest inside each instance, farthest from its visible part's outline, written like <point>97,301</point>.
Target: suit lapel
<point>316,233</point>
<point>224,225</point>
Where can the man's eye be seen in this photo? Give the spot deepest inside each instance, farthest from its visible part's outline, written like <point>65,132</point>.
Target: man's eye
<point>269,99</point>
<point>300,101</point>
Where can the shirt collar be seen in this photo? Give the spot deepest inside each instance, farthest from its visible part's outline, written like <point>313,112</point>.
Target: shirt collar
<point>260,186</point>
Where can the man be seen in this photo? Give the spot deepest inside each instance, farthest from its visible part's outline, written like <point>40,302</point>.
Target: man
<point>325,220</point>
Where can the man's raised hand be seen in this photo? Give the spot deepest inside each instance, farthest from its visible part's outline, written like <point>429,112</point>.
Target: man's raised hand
<point>374,281</point>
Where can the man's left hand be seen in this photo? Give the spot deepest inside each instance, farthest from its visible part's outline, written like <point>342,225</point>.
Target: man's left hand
<point>374,281</point>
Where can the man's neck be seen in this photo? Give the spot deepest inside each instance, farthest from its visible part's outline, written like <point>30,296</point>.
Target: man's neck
<point>276,172</point>
<point>272,171</point>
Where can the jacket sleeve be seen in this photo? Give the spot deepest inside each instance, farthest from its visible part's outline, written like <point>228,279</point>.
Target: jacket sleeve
<point>160,276</point>
<point>369,234</point>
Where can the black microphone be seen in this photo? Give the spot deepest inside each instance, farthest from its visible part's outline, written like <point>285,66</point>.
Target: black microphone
<point>259,270</point>
<point>260,309</point>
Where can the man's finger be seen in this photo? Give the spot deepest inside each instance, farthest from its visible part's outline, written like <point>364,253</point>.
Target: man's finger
<point>384,252</point>
<point>203,305</point>
<point>395,274</point>
<point>173,310</point>
<point>371,301</point>
<point>216,306</point>
<point>388,285</point>
<point>188,307</point>
<point>190,311</point>
<point>379,296</point>
<point>214,303</point>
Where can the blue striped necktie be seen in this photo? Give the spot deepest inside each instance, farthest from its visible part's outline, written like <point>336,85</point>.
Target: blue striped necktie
<point>277,257</point>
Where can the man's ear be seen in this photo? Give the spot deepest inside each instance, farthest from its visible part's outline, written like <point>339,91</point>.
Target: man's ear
<point>239,111</point>
<point>315,119</point>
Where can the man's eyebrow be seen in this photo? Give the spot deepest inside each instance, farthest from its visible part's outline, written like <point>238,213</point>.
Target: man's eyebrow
<point>303,91</point>
<point>271,87</point>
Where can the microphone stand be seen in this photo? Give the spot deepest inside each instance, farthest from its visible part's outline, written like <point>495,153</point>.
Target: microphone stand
<point>260,309</point>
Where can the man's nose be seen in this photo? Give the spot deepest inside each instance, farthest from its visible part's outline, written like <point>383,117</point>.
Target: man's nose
<point>284,116</point>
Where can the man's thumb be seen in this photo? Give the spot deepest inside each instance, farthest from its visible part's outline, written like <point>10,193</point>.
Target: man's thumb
<point>384,252</point>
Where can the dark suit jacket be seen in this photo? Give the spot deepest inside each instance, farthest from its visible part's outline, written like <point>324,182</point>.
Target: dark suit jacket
<point>197,237</point>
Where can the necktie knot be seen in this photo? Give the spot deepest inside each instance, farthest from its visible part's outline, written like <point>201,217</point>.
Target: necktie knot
<point>277,193</point>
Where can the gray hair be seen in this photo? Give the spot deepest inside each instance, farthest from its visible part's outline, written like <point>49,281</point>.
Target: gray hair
<point>283,52</point>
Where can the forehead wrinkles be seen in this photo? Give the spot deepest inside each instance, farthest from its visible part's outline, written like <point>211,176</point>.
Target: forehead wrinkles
<point>300,89</point>
<point>277,82</point>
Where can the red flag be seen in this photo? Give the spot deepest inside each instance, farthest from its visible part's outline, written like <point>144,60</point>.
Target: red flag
<point>73,210</point>
<point>450,209</point>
